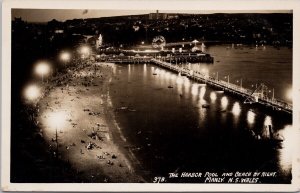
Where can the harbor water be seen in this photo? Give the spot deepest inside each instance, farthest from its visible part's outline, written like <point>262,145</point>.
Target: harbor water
<point>174,124</point>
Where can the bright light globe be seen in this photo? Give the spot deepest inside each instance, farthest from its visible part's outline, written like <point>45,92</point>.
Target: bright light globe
<point>32,92</point>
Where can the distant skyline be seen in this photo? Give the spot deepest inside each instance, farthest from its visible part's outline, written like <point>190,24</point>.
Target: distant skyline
<point>45,15</point>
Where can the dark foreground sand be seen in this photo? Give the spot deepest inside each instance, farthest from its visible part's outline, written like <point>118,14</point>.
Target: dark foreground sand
<point>79,109</point>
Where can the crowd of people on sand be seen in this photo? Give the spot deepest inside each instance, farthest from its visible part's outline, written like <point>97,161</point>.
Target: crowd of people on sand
<point>75,78</point>
<point>80,73</point>
<point>26,132</point>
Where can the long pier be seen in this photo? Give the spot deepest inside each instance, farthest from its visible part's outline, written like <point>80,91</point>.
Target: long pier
<point>132,60</point>
<point>245,93</point>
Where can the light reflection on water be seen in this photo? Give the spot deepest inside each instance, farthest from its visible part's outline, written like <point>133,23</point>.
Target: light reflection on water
<point>268,121</point>
<point>245,63</point>
<point>173,77</point>
<point>202,92</point>
<point>286,152</point>
<point>187,84</point>
<point>167,75</point>
<point>182,113</point>
<point>129,69</point>
<point>224,102</point>
<point>213,97</point>
<point>250,118</point>
<point>145,70</point>
<point>195,89</point>
<point>114,69</point>
<point>236,109</point>
<point>179,79</point>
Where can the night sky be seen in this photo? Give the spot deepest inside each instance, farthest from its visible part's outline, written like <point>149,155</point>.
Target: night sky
<point>44,15</point>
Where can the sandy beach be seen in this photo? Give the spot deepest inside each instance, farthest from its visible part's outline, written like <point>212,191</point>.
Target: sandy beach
<point>77,115</point>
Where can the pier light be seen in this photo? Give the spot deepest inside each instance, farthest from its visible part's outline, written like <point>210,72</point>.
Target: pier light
<point>65,56</point>
<point>32,92</point>
<point>191,72</point>
<point>227,78</point>
<point>42,69</point>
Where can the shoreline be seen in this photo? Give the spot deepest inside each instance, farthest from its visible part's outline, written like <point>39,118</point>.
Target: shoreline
<point>86,132</point>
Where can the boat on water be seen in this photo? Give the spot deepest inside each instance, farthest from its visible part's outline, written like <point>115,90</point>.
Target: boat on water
<point>268,136</point>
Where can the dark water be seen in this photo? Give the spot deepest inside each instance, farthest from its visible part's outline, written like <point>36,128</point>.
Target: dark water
<point>171,131</point>
<point>267,65</point>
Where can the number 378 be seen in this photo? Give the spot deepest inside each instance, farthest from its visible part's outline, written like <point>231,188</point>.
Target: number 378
<point>159,179</point>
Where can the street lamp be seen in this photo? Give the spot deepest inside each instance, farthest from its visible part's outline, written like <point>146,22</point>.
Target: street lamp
<point>65,56</point>
<point>42,69</point>
<point>85,51</point>
<point>32,92</point>
<point>56,120</point>
<point>227,79</point>
<point>241,82</point>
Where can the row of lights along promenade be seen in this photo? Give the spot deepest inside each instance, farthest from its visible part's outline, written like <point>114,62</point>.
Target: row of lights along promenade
<point>250,96</point>
<point>258,95</point>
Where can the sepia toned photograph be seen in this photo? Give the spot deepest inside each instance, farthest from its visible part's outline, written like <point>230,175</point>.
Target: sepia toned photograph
<point>144,96</point>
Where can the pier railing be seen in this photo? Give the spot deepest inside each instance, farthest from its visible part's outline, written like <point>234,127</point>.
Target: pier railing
<point>227,86</point>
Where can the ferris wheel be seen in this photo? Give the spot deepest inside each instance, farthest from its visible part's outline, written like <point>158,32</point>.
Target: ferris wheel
<point>158,42</point>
